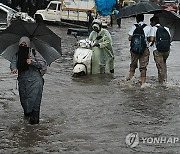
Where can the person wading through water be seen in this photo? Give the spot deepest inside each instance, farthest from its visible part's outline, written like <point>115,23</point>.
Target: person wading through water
<point>28,63</point>
<point>103,55</point>
<point>161,41</point>
<point>138,35</point>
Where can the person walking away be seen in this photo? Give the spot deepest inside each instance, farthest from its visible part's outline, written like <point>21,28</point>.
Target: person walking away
<point>116,12</point>
<point>103,55</point>
<point>161,40</point>
<point>138,35</point>
<point>118,6</point>
<point>29,65</point>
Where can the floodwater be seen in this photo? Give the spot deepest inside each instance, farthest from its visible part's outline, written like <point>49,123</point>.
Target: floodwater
<point>94,114</point>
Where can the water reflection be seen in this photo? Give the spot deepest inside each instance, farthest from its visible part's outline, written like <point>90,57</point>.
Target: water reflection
<point>98,79</point>
<point>25,135</point>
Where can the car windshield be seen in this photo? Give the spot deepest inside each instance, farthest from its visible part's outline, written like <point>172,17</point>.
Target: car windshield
<point>128,3</point>
<point>7,8</point>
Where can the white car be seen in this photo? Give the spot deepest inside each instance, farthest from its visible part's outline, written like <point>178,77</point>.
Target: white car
<point>8,14</point>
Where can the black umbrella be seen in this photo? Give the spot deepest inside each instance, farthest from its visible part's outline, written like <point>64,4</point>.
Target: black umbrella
<point>138,8</point>
<point>46,42</point>
<point>172,21</point>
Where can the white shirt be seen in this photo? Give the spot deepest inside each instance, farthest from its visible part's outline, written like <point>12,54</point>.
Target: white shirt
<point>153,33</point>
<point>146,29</point>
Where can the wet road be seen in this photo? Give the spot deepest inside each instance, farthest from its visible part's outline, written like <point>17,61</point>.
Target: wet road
<point>93,115</point>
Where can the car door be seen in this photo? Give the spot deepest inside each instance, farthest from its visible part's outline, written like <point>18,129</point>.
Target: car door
<point>51,12</point>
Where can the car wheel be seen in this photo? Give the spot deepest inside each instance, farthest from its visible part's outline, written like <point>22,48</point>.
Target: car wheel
<point>39,19</point>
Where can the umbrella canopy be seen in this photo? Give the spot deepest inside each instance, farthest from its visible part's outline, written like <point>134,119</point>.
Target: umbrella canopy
<point>172,21</point>
<point>46,42</point>
<point>138,8</point>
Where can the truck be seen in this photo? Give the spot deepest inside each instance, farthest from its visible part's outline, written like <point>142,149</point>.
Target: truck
<point>70,11</point>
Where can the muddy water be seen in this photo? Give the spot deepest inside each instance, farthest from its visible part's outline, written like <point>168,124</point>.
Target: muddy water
<point>94,114</point>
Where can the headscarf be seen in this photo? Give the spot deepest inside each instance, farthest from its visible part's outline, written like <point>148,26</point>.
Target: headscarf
<point>96,26</point>
<point>23,55</point>
<point>26,40</point>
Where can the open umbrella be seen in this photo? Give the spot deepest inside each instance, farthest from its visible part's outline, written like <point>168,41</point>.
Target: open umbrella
<point>172,21</point>
<point>138,8</point>
<point>46,42</point>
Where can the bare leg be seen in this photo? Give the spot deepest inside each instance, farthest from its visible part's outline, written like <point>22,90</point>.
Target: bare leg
<point>130,76</point>
<point>143,80</point>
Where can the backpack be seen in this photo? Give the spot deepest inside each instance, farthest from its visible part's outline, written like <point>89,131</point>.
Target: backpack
<point>138,42</point>
<point>163,39</point>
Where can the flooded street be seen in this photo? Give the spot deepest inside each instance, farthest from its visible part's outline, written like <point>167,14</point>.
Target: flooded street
<point>94,114</point>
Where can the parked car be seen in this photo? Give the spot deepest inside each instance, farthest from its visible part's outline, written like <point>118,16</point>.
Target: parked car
<point>128,3</point>
<point>7,15</point>
<point>170,6</point>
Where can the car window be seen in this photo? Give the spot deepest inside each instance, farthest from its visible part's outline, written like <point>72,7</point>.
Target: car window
<point>59,7</point>
<point>7,8</point>
<point>52,6</point>
<point>3,16</point>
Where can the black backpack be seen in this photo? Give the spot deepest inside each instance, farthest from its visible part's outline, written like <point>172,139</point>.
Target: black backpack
<point>138,42</point>
<point>163,39</point>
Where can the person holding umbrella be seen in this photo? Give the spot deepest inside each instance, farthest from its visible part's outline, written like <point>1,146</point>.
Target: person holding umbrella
<point>28,64</point>
<point>161,40</point>
<point>138,35</point>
